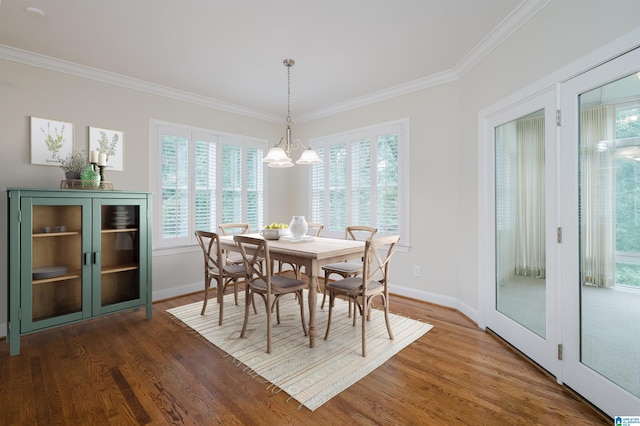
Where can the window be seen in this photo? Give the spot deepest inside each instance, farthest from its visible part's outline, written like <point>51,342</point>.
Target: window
<point>627,193</point>
<point>203,178</point>
<point>363,180</point>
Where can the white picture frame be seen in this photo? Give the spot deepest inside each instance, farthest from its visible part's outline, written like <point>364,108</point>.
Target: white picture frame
<point>51,141</point>
<point>109,142</point>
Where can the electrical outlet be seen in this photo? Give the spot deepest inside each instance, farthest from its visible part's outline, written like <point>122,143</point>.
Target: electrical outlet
<point>416,271</point>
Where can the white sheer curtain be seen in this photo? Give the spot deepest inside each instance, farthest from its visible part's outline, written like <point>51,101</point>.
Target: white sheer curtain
<point>530,198</point>
<point>597,196</point>
<point>520,198</point>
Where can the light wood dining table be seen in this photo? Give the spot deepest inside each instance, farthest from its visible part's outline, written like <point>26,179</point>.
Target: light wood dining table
<point>311,255</point>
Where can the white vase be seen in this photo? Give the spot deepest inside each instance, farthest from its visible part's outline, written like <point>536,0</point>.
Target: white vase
<point>298,227</point>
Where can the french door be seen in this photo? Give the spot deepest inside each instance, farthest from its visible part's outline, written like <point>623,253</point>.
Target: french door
<point>522,288</point>
<point>600,313</point>
<point>560,234</point>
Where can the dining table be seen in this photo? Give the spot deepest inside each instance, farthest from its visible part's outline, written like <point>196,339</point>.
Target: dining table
<point>311,253</point>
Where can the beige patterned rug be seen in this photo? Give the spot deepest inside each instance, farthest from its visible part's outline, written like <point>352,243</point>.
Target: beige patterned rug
<point>311,376</point>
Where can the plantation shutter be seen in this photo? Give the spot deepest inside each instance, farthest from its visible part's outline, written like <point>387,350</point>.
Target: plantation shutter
<point>318,188</point>
<point>205,185</point>
<point>231,184</point>
<point>337,187</point>
<point>255,187</point>
<point>363,180</point>
<point>175,186</point>
<point>387,184</point>
<point>361,191</point>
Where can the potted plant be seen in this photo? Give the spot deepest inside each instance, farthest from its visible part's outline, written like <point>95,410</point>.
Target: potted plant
<point>74,164</point>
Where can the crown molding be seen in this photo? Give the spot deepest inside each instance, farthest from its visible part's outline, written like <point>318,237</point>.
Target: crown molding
<point>381,95</point>
<point>71,68</point>
<point>508,26</point>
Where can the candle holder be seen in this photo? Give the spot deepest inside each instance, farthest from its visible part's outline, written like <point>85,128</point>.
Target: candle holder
<point>94,166</point>
<point>102,179</point>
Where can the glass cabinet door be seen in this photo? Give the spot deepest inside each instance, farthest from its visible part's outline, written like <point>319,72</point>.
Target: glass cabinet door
<point>119,233</point>
<point>52,278</point>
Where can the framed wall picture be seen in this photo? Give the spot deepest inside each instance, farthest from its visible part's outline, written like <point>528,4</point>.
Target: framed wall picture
<point>51,141</point>
<point>110,143</point>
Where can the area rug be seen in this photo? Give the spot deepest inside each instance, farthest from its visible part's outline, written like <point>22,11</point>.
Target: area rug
<point>312,376</point>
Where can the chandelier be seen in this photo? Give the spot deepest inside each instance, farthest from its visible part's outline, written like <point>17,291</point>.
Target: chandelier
<point>280,154</point>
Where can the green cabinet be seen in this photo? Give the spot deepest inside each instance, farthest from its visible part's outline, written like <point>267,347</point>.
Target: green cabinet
<point>74,255</point>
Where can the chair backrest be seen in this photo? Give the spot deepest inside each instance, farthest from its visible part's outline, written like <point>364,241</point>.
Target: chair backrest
<point>210,244</point>
<point>234,228</point>
<point>377,255</point>
<point>359,232</point>
<point>255,253</point>
<point>315,229</point>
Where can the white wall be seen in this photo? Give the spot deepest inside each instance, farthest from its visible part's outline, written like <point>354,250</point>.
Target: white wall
<point>27,91</point>
<point>444,139</point>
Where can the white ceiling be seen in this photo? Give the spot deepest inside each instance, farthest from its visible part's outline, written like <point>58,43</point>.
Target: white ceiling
<point>230,52</point>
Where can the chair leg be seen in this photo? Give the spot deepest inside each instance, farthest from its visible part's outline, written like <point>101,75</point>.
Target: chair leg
<point>304,325</point>
<point>220,298</point>
<point>235,290</point>
<point>386,317</point>
<point>207,282</point>
<point>364,331</point>
<point>331,297</point>
<point>324,290</point>
<point>246,311</point>
<point>268,300</point>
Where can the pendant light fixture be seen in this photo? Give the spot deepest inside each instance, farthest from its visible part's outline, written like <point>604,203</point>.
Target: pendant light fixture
<point>280,154</point>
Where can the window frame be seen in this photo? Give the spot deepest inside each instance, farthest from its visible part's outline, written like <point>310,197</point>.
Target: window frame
<point>348,138</point>
<point>156,130</point>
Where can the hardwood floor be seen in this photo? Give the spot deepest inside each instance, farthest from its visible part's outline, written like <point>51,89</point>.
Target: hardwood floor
<point>123,369</point>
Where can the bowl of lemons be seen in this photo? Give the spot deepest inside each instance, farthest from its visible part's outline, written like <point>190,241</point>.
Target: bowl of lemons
<point>274,231</point>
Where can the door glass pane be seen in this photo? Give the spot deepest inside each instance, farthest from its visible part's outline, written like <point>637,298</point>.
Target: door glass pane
<point>56,261</point>
<point>520,221</point>
<point>120,245</point>
<point>609,197</point>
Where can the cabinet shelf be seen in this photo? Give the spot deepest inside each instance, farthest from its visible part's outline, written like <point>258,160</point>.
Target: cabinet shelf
<point>55,234</point>
<point>69,276</point>
<point>117,230</point>
<point>119,268</point>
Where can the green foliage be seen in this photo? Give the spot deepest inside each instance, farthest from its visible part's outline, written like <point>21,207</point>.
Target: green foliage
<point>74,162</point>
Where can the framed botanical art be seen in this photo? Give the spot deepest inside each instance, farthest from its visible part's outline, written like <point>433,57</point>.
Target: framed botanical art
<point>51,141</point>
<point>109,143</point>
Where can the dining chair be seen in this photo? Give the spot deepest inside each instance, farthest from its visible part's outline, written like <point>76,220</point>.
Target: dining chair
<point>215,268</point>
<point>350,268</point>
<point>234,258</point>
<point>361,290</point>
<point>260,281</point>
<point>314,229</point>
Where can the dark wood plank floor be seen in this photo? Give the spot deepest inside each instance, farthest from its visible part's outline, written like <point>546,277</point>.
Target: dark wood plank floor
<point>123,369</point>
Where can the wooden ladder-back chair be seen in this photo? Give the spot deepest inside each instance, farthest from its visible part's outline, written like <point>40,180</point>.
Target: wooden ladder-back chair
<point>215,268</point>
<point>350,268</point>
<point>363,289</point>
<point>314,229</point>
<point>260,281</point>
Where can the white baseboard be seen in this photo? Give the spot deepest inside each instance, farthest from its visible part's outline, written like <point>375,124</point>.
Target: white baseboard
<point>424,296</point>
<point>177,291</point>
<point>437,299</point>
